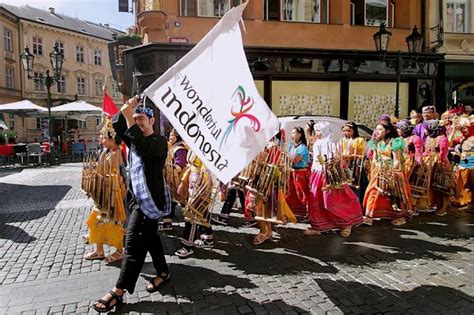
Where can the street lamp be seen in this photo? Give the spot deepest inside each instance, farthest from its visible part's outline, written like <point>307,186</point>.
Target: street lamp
<point>414,41</point>
<point>415,44</point>
<point>382,39</point>
<point>56,58</point>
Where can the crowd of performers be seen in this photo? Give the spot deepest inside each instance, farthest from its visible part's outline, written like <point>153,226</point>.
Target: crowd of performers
<point>423,163</point>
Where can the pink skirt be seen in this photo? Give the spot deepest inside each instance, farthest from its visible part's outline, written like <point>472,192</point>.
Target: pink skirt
<point>332,209</point>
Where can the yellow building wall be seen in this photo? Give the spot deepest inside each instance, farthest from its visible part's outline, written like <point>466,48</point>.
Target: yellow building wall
<point>306,98</point>
<point>260,87</point>
<point>369,100</point>
<point>9,59</point>
<point>26,128</point>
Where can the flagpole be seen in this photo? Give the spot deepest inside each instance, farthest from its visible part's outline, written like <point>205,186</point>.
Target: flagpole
<point>104,90</point>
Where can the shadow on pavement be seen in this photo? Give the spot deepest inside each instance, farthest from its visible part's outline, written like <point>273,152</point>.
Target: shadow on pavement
<point>190,279</point>
<point>237,250</point>
<point>368,245</point>
<point>15,234</point>
<point>29,208</point>
<point>295,252</point>
<point>9,171</point>
<point>214,303</point>
<point>355,297</point>
<point>449,227</point>
<point>379,243</point>
<point>202,290</point>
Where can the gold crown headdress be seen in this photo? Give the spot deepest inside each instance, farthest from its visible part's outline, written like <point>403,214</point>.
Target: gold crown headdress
<point>108,129</point>
<point>414,114</point>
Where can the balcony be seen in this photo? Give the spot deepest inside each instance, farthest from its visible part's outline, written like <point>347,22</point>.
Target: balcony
<point>458,46</point>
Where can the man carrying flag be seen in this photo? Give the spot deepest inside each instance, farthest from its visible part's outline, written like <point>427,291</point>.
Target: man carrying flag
<point>215,106</point>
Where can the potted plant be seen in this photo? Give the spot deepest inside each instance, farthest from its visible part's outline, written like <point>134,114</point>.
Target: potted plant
<point>3,136</point>
<point>11,135</point>
<point>129,39</point>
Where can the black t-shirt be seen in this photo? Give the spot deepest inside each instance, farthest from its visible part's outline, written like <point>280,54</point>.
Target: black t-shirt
<point>152,149</point>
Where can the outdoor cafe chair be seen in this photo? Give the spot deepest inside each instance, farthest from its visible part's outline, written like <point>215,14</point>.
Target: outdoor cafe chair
<point>78,150</point>
<point>35,150</point>
<point>21,150</point>
<point>93,147</point>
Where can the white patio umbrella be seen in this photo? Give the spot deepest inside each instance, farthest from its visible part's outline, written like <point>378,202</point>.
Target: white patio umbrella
<point>79,110</point>
<point>3,125</point>
<point>24,108</point>
<point>76,110</point>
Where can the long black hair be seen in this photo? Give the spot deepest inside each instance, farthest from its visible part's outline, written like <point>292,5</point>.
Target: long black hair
<point>300,130</point>
<point>310,127</point>
<point>353,126</point>
<point>391,131</point>
<point>178,136</point>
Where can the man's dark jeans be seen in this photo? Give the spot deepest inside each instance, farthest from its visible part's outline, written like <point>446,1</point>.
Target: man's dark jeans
<point>142,237</point>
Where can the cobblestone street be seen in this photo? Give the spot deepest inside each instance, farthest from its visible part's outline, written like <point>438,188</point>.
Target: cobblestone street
<point>425,266</point>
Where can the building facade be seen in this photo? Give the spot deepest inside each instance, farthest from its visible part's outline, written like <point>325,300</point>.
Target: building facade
<point>86,67</point>
<point>307,56</point>
<point>10,80</point>
<point>451,25</point>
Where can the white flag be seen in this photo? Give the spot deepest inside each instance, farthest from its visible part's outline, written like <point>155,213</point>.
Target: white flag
<point>210,98</point>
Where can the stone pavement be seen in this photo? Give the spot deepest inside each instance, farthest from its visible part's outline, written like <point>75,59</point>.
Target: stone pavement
<point>426,266</point>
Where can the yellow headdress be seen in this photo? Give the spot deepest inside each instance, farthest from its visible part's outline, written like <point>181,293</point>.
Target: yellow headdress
<point>413,116</point>
<point>108,129</point>
<point>463,121</point>
<point>446,115</point>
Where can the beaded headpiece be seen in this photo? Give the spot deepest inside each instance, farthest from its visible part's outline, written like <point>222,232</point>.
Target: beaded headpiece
<point>432,124</point>
<point>405,126</point>
<point>429,109</point>
<point>108,129</point>
<point>145,110</point>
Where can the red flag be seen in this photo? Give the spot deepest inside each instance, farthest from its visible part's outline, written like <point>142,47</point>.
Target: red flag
<point>108,105</point>
<point>109,108</point>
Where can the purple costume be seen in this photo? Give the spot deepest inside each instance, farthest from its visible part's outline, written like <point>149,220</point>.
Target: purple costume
<point>420,131</point>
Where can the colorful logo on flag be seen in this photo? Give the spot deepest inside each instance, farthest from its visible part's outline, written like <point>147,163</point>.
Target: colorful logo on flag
<point>244,104</point>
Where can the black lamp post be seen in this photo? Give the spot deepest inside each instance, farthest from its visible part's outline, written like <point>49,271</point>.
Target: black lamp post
<point>414,41</point>
<point>56,59</point>
<point>415,44</point>
<point>382,39</point>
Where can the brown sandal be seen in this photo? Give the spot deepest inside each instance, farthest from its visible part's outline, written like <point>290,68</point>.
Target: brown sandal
<point>114,257</point>
<point>261,238</point>
<point>154,287</point>
<point>93,256</point>
<point>398,222</point>
<point>346,232</point>
<point>310,232</point>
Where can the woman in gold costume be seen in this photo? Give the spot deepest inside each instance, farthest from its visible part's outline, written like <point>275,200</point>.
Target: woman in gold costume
<point>106,222</point>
